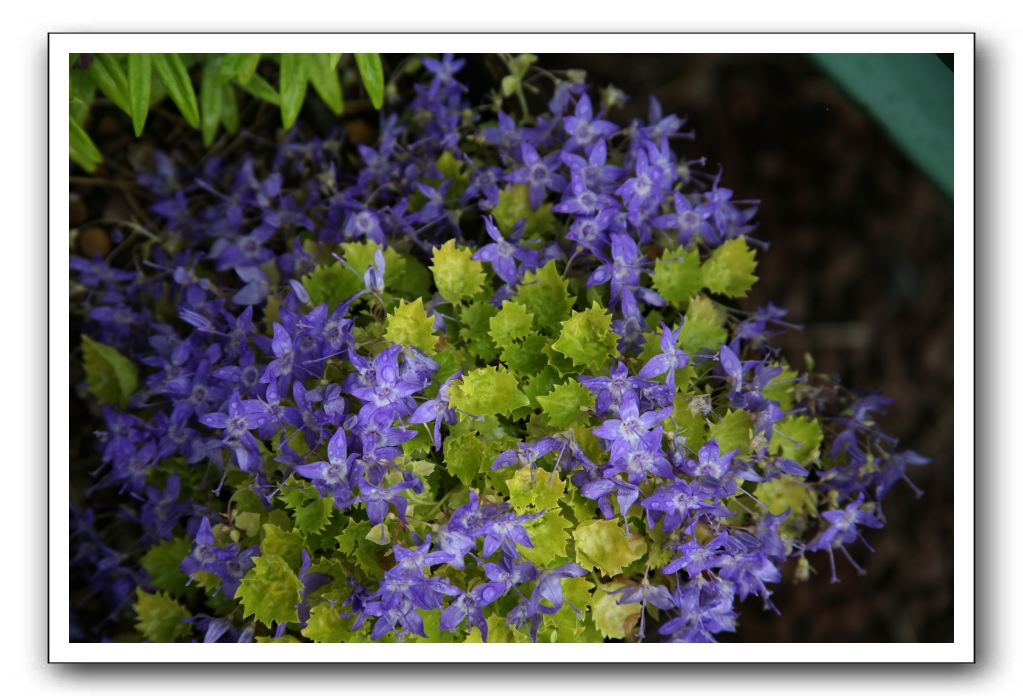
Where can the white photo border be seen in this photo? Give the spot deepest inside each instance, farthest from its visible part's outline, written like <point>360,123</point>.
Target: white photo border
<point>960,650</point>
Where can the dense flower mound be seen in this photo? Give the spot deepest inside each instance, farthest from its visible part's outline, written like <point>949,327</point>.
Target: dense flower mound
<point>482,380</point>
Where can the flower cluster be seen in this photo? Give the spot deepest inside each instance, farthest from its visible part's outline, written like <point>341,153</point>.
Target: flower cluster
<point>483,379</point>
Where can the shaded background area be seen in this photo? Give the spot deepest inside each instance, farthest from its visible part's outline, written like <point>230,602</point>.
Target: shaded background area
<point>861,255</point>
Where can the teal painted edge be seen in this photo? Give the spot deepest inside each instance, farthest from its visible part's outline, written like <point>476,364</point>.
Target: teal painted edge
<point>910,94</point>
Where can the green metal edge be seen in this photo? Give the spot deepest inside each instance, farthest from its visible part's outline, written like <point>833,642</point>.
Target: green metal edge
<point>911,95</point>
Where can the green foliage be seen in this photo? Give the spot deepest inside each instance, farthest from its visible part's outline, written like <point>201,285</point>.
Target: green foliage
<point>464,456</point>
<point>458,277</point>
<point>112,377</point>
<point>729,270</point>
<point>171,70</point>
<point>134,82</point>
<point>510,325</point>
<point>732,432</point>
<point>311,512</point>
<point>270,591</point>
<point>283,544</point>
<point>487,391</point>
<point>162,563</point>
<point>587,340</point>
<point>566,404</point>
<point>532,490</point>
<point>677,276</point>
<point>612,619</point>
<point>139,80</point>
<point>545,295</point>
<point>703,328</point>
<point>603,544</point>
<point>513,206</point>
<point>160,618</point>
<point>798,438</point>
<point>325,624</point>
<point>410,325</point>
<point>372,71</point>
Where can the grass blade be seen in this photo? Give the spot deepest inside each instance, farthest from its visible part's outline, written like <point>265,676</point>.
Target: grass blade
<point>293,86</point>
<point>174,76</point>
<point>139,81</point>
<point>372,71</point>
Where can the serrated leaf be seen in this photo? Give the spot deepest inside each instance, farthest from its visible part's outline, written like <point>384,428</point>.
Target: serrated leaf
<point>140,79</point>
<point>688,421</point>
<point>332,284</point>
<point>410,325</point>
<point>270,591</point>
<point>310,510</point>
<point>464,456</point>
<point>112,377</point>
<point>160,618</point>
<point>371,69</point>
<point>729,270</point>
<point>512,323</point>
<point>797,438</point>
<point>366,554</point>
<point>587,340</point>
<point>703,328</point>
<point>532,490</point>
<point>614,620</point>
<point>487,391</point>
<point>174,75</point>
<point>677,276</point>
<point>286,545</point>
<point>322,70</point>
<point>527,357</point>
<point>566,404</point>
<point>476,330</point>
<point>545,295</point>
<point>456,274</point>
<point>549,534</point>
<point>325,624</point>
<point>513,206</point>
<point>732,432</point>
<point>293,86</point>
<point>162,563</point>
<point>603,544</point>
<point>782,494</point>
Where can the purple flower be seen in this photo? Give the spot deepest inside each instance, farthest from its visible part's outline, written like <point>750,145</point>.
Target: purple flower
<point>502,254</point>
<point>539,173</point>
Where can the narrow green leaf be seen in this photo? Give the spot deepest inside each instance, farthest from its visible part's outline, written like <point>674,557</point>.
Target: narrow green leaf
<point>261,89</point>
<point>372,71</point>
<point>82,90</point>
<point>82,150</point>
<point>293,85</point>
<point>139,80</point>
<point>240,66</point>
<point>211,99</point>
<point>229,116</point>
<point>111,79</point>
<point>174,76</point>
<point>322,71</point>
